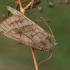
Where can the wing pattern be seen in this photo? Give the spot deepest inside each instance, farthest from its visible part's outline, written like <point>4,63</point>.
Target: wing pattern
<point>22,29</point>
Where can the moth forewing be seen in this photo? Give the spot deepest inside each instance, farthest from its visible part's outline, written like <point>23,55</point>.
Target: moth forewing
<point>24,30</point>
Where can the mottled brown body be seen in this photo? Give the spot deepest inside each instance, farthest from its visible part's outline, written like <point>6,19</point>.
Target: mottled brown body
<point>24,30</point>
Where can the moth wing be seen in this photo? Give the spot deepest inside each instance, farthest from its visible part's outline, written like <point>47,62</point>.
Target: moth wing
<point>24,30</point>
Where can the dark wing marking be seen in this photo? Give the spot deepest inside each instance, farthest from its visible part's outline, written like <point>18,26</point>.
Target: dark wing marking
<point>22,30</point>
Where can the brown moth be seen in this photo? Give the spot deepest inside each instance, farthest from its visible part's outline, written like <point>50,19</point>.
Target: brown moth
<point>22,29</point>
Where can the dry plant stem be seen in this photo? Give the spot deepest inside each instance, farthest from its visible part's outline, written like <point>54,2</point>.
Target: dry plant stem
<point>34,58</point>
<point>29,5</point>
<point>21,8</point>
<point>32,49</point>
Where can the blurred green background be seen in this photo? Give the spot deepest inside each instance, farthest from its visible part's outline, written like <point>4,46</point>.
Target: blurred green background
<point>16,56</point>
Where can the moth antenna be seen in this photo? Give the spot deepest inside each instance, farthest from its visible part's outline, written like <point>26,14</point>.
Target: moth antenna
<point>45,59</point>
<point>47,25</point>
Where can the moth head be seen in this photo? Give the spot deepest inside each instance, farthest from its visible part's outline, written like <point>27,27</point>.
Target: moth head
<point>48,43</point>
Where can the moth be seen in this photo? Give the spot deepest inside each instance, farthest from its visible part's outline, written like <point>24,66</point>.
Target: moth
<point>22,29</point>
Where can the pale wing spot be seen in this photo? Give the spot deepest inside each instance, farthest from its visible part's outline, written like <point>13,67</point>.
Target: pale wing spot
<point>25,39</point>
<point>24,22</point>
<point>28,28</point>
<point>36,38</point>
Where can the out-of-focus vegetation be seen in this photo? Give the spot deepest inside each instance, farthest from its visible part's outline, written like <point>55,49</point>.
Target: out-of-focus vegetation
<point>16,56</point>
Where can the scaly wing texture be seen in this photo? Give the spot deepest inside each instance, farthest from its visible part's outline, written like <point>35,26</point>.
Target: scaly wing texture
<point>22,29</point>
